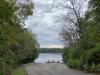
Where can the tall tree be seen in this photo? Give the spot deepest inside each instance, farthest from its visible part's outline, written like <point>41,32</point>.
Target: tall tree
<point>13,36</point>
<point>74,25</point>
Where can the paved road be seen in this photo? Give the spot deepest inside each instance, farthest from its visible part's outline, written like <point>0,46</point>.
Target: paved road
<point>51,69</point>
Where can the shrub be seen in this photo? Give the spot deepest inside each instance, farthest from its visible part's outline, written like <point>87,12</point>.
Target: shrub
<point>75,63</point>
<point>16,42</point>
<point>92,68</point>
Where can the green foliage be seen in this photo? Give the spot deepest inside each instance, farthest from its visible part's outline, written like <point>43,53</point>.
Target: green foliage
<point>65,54</point>
<point>92,68</point>
<point>95,9</point>
<point>19,71</point>
<point>6,10</point>
<point>73,63</point>
<point>16,43</point>
<point>85,54</point>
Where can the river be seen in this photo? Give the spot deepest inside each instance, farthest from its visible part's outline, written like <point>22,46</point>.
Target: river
<point>45,57</point>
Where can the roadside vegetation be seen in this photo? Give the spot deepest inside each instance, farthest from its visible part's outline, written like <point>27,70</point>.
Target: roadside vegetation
<point>19,71</point>
<point>17,44</point>
<point>82,41</point>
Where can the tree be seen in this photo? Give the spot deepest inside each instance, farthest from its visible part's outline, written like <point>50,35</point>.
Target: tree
<point>16,44</point>
<point>94,10</point>
<point>85,54</point>
<point>74,21</point>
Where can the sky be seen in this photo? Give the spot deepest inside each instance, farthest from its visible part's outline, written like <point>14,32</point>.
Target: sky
<point>46,22</point>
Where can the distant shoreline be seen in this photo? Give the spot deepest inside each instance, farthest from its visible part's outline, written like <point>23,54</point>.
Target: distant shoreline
<point>50,50</point>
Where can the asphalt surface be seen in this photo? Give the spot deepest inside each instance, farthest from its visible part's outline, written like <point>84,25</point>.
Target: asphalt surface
<point>52,69</point>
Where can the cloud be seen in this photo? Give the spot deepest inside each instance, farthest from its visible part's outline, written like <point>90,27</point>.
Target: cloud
<point>53,46</point>
<point>44,22</point>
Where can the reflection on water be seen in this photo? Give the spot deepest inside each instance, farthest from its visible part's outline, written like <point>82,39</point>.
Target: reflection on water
<point>44,57</point>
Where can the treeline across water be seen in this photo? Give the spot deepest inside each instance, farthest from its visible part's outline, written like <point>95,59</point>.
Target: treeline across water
<point>17,44</point>
<point>50,50</point>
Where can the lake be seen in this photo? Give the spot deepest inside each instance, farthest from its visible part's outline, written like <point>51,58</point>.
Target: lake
<point>44,57</point>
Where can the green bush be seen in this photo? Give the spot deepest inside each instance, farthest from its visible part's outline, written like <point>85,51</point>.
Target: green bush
<point>85,53</point>
<point>65,54</point>
<point>16,42</point>
<point>75,63</point>
<point>97,68</point>
<point>19,71</point>
<point>92,68</point>
<point>93,56</point>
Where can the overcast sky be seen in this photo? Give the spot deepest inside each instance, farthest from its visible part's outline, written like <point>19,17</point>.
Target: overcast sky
<point>44,22</point>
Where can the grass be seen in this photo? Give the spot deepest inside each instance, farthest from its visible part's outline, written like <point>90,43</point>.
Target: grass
<point>19,71</point>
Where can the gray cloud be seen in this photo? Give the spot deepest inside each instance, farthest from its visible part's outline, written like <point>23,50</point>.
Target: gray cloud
<point>44,21</point>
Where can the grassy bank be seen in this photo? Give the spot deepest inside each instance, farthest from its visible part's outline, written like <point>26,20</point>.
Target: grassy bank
<point>19,71</point>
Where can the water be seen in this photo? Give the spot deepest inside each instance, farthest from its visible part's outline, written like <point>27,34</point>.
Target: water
<point>44,57</point>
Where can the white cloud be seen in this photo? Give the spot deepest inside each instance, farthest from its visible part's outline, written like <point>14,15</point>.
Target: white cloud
<point>44,22</point>
<point>53,46</point>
